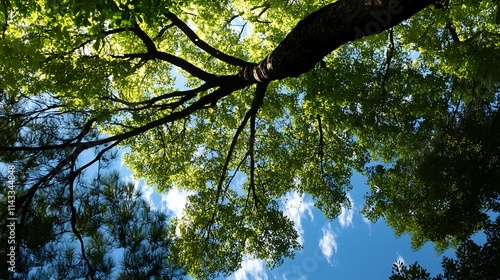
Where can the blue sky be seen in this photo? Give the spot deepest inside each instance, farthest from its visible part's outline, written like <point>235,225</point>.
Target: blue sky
<point>349,247</point>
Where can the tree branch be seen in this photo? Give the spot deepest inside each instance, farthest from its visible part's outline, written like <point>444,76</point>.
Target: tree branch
<point>177,61</point>
<point>321,152</point>
<point>6,18</point>
<point>257,102</point>
<point>453,32</point>
<point>328,28</point>
<point>97,157</point>
<point>185,94</point>
<point>148,42</point>
<point>389,55</point>
<point>81,45</point>
<point>188,94</point>
<point>260,92</point>
<point>163,30</point>
<point>80,147</point>
<point>72,179</point>
<point>228,84</point>
<point>203,45</point>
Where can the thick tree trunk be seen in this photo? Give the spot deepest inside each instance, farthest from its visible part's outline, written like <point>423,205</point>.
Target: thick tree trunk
<point>328,28</point>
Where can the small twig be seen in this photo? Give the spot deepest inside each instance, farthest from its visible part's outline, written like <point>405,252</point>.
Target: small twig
<point>238,167</point>
<point>266,6</point>
<point>234,17</point>
<point>242,29</point>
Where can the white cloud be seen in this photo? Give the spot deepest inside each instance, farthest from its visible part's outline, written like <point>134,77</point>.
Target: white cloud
<point>296,207</point>
<point>345,217</point>
<point>328,244</point>
<point>176,200</point>
<point>400,259</point>
<point>147,193</point>
<point>251,269</point>
<point>368,223</point>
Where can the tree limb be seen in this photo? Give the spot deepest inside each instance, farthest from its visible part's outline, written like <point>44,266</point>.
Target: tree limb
<point>84,43</point>
<point>185,94</point>
<point>328,28</point>
<point>260,92</point>
<point>453,32</point>
<point>72,179</point>
<point>389,55</point>
<point>203,45</point>
<point>6,18</point>
<point>321,152</point>
<point>28,197</point>
<point>148,42</point>
<point>177,61</point>
<point>163,30</point>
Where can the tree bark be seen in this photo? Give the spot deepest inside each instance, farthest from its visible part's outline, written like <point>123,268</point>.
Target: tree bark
<point>327,29</point>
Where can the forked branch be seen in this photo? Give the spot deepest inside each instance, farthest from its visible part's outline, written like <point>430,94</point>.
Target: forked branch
<point>251,114</point>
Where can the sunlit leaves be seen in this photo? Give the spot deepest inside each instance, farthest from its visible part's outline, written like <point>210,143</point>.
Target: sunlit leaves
<point>216,239</point>
<point>408,99</point>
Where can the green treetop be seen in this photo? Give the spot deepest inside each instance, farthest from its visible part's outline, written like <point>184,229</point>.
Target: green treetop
<point>203,92</point>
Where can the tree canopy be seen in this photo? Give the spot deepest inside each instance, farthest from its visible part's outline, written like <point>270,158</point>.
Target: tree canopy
<point>242,102</point>
<point>472,261</point>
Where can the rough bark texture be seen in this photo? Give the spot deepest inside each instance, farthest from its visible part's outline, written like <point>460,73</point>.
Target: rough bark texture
<point>328,28</point>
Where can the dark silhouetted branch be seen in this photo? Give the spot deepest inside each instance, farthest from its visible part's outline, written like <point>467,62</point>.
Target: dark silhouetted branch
<point>74,229</point>
<point>203,45</point>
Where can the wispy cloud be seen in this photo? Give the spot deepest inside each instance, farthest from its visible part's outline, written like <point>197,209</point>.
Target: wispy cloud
<point>251,269</point>
<point>328,244</point>
<point>176,200</point>
<point>366,220</point>
<point>345,217</point>
<point>296,208</point>
<point>301,277</point>
<point>368,223</point>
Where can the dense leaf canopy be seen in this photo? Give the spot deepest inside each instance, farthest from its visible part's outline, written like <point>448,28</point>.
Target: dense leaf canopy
<point>201,97</point>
